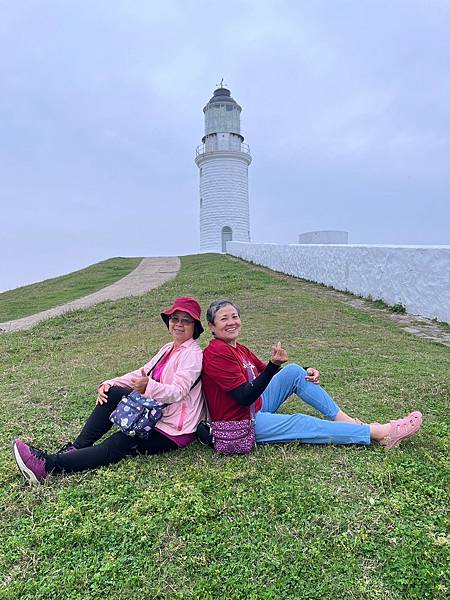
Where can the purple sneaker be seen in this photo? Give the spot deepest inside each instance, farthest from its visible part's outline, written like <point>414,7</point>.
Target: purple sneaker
<point>31,462</point>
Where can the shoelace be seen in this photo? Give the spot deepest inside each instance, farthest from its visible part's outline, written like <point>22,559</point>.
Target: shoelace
<point>38,453</point>
<point>66,447</point>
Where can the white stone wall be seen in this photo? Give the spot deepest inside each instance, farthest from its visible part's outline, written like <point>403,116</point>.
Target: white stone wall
<point>223,198</point>
<point>418,277</point>
<point>323,237</point>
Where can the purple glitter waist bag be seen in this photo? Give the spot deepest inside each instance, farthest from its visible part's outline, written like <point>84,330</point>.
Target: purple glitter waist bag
<point>233,437</point>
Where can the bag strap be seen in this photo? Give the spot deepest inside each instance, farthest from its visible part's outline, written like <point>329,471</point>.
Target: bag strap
<point>250,378</point>
<point>252,411</point>
<point>159,360</point>
<point>195,382</point>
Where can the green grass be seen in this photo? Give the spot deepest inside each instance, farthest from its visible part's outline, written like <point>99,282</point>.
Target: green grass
<point>442,324</point>
<point>395,308</point>
<point>289,521</point>
<point>34,298</point>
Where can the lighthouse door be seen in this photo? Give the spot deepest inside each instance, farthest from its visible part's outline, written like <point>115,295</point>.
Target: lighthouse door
<point>227,236</point>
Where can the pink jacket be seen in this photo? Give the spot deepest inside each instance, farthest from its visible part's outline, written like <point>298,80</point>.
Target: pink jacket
<point>187,407</point>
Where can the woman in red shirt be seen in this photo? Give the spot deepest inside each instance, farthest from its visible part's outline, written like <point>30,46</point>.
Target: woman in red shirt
<point>234,379</point>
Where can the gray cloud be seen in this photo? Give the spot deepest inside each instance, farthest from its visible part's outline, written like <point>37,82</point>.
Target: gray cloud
<point>346,108</point>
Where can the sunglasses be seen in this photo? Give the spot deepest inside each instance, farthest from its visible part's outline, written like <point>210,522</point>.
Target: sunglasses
<point>182,320</point>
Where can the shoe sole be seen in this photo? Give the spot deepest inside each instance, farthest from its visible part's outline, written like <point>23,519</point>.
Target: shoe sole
<point>27,473</point>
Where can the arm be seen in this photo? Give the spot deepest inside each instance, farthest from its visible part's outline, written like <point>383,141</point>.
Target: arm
<point>312,374</point>
<point>127,380</point>
<point>136,379</point>
<point>247,393</point>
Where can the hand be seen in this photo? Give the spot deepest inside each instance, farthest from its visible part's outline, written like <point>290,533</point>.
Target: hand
<point>313,375</point>
<point>279,355</point>
<point>102,396</point>
<point>140,383</point>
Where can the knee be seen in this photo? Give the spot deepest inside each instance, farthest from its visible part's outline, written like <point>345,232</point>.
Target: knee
<point>295,370</point>
<point>294,375</point>
<point>116,392</point>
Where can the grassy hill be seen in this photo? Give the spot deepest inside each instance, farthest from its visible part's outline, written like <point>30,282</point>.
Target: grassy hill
<point>289,521</point>
<point>34,298</point>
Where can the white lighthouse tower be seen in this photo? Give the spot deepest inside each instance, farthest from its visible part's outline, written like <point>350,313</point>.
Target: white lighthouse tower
<point>223,160</point>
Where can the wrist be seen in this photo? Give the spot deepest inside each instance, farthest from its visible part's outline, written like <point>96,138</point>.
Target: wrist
<point>275,363</point>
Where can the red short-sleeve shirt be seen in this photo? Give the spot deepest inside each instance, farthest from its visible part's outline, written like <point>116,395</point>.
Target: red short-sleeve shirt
<point>225,368</point>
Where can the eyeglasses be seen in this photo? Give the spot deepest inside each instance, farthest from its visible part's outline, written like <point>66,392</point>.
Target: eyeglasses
<point>183,320</point>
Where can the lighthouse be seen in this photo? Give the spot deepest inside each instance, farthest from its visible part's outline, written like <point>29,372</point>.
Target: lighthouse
<point>223,160</point>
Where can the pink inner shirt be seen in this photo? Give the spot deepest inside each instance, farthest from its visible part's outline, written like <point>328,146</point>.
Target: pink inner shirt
<point>157,371</point>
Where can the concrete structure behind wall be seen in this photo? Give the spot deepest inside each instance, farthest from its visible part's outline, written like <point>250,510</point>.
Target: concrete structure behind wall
<point>223,161</point>
<point>323,237</point>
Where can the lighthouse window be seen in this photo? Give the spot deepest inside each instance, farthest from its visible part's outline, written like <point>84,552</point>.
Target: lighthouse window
<point>229,107</point>
<point>201,171</point>
<point>201,202</point>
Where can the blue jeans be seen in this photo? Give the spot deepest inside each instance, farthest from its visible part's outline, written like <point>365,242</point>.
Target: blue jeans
<point>274,427</point>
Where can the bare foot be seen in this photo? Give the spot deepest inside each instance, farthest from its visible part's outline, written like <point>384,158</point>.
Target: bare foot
<point>343,417</point>
<point>379,431</point>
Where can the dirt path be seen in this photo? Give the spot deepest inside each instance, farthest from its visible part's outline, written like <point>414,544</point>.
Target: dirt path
<point>149,274</point>
<point>413,324</point>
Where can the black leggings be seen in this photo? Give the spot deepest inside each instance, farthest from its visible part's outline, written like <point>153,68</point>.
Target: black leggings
<point>112,449</point>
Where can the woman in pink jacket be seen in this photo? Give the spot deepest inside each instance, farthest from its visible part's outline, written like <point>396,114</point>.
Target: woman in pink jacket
<point>170,377</point>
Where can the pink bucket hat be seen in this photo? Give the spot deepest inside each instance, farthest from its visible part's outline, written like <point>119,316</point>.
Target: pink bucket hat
<point>188,305</point>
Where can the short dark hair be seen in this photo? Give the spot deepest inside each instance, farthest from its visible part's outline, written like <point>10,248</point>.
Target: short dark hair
<point>216,306</point>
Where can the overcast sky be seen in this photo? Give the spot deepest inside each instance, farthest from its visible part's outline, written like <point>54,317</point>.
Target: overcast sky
<point>346,108</point>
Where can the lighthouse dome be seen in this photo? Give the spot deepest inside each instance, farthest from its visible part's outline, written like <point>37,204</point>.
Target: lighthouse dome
<point>222,95</point>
